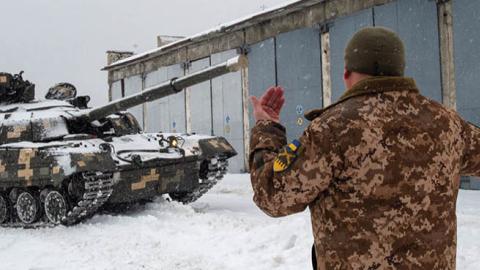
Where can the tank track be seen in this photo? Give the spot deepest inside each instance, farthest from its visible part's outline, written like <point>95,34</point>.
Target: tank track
<point>214,171</point>
<point>96,189</point>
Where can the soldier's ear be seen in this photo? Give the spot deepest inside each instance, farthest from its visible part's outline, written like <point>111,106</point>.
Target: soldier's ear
<point>346,74</point>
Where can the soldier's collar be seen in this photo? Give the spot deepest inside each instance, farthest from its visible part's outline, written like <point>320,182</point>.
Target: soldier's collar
<point>373,85</point>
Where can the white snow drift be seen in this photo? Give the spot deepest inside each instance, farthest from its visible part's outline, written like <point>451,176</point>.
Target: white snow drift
<point>223,230</point>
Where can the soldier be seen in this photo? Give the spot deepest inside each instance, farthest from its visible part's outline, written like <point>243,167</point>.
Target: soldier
<point>379,169</point>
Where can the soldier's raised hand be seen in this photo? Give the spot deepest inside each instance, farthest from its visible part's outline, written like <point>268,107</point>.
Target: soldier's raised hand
<point>269,105</point>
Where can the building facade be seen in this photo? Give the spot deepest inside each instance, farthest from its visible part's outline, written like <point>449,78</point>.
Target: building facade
<point>300,46</point>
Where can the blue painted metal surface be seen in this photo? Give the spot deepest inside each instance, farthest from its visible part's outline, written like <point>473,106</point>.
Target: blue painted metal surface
<point>261,70</point>
<point>200,101</point>
<point>116,90</point>
<point>157,113</point>
<point>466,24</point>
<point>299,72</point>
<point>341,31</point>
<point>177,121</point>
<point>416,22</point>
<point>228,110</point>
<point>166,114</point>
<point>133,85</point>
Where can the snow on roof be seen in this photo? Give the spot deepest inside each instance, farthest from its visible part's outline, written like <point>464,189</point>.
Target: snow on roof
<point>170,38</point>
<point>217,29</point>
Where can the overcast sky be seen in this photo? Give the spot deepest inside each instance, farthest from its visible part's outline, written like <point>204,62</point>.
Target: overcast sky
<point>66,40</point>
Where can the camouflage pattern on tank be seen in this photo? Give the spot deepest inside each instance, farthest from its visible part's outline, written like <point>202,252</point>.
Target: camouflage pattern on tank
<point>379,171</point>
<point>26,167</point>
<point>176,175</point>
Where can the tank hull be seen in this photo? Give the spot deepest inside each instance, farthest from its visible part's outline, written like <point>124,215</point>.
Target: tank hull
<point>168,173</point>
<point>139,183</point>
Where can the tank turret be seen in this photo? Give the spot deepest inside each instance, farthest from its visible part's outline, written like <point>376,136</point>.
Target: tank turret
<point>14,89</point>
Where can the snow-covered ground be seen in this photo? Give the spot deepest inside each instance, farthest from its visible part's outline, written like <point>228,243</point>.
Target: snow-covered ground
<point>223,230</point>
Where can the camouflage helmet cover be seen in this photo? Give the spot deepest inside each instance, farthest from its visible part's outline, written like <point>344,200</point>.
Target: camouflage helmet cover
<point>62,91</point>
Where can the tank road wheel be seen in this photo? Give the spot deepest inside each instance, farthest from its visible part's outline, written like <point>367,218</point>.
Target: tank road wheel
<point>55,206</point>
<point>3,209</point>
<point>27,208</point>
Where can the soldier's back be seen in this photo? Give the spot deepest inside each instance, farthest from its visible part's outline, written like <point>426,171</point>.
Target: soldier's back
<point>391,204</point>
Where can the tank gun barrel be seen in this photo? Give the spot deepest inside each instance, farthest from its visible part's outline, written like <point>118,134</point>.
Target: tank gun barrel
<point>168,88</point>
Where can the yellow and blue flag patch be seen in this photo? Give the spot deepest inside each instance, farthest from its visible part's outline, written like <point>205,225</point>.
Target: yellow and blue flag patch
<point>286,156</point>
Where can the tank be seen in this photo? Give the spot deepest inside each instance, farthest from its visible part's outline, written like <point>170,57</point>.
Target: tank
<point>60,161</point>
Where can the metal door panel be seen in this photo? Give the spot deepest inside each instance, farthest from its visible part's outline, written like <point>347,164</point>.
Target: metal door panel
<point>157,111</point>
<point>341,31</point>
<point>228,110</point>
<point>261,70</point>
<point>299,72</point>
<point>200,101</point>
<point>116,90</point>
<point>466,25</point>
<point>176,103</point>
<point>133,85</point>
<point>166,114</point>
<point>416,23</point>
<point>466,22</point>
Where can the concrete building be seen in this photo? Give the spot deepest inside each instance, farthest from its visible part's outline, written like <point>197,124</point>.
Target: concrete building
<point>300,46</point>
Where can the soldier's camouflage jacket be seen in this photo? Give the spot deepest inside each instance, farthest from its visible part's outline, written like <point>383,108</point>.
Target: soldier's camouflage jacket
<point>380,173</point>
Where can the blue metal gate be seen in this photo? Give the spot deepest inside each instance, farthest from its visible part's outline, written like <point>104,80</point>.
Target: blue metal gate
<point>134,85</point>
<point>261,70</point>
<point>227,109</point>
<point>341,30</point>
<point>200,101</point>
<point>116,90</point>
<point>299,71</point>
<point>466,25</point>
<point>166,114</point>
<point>416,22</point>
